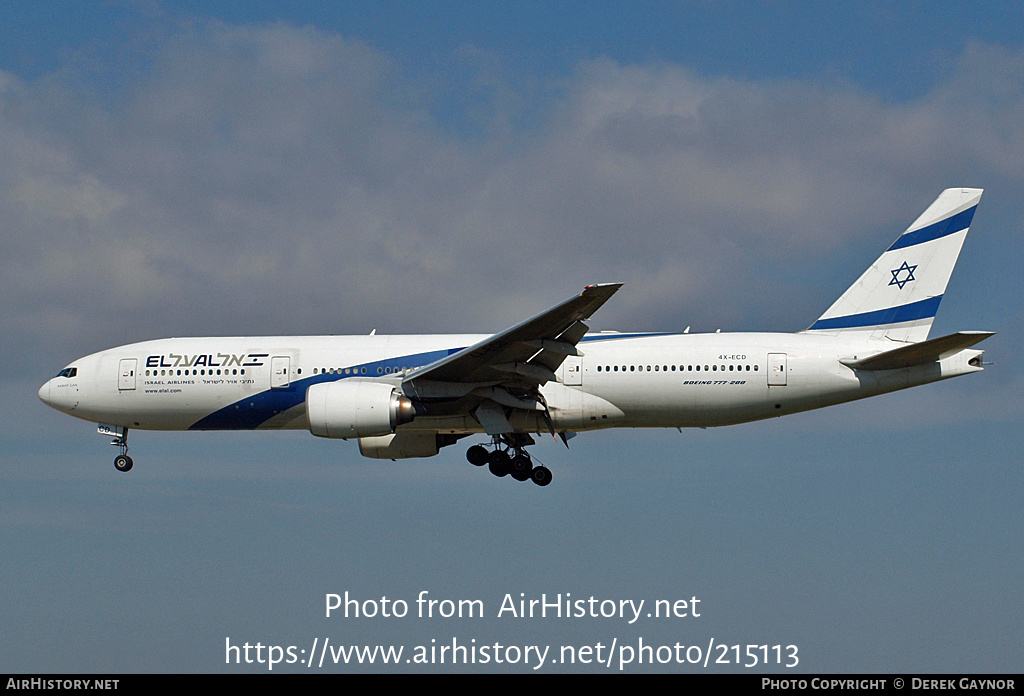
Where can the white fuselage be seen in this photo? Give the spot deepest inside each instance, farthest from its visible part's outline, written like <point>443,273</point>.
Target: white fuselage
<point>620,380</point>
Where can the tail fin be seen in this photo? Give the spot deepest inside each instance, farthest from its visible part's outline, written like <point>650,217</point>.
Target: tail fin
<point>897,297</point>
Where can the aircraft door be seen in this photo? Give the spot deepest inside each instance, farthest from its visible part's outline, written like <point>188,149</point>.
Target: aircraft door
<point>280,367</point>
<point>776,369</point>
<point>126,374</point>
<point>572,371</point>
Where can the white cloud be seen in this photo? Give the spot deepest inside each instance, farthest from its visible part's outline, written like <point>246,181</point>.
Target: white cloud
<point>84,196</point>
<point>281,179</point>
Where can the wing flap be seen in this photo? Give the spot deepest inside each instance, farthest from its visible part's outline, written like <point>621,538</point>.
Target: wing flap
<point>493,419</point>
<point>551,356</point>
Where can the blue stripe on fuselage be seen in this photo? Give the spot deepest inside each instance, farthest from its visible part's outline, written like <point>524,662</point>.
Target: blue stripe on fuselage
<point>255,410</point>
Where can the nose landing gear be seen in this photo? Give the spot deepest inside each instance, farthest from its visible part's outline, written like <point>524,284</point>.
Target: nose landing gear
<point>122,462</point>
<point>510,458</point>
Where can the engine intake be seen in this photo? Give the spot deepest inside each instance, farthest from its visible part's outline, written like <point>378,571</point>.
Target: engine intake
<point>356,409</point>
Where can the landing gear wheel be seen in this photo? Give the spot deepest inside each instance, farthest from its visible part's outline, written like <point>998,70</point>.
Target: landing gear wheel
<point>122,462</point>
<point>521,467</point>
<point>541,475</point>
<point>477,455</point>
<point>499,462</point>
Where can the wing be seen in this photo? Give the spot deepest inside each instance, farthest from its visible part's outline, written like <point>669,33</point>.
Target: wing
<point>506,369</point>
<point>531,351</point>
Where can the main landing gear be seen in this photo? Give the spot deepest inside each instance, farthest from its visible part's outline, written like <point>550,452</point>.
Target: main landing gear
<point>510,458</point>
<point>122,462</point>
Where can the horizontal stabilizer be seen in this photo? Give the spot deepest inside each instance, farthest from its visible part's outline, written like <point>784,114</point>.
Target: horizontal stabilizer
<point>920,353</point>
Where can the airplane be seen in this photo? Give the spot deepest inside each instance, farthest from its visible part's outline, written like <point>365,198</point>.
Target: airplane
<point>409,396</point>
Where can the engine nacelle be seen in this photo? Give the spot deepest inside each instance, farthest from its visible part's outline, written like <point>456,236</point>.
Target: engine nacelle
<point>356,409</point>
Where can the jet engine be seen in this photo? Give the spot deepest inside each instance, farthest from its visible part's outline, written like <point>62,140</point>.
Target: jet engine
<point>356,409</point>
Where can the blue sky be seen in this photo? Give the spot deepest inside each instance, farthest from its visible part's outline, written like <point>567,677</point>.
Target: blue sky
<point>856,42</point>
<point>239,168</point>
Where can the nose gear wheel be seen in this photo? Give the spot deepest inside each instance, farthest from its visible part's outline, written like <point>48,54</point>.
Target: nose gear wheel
<point>122,462</point>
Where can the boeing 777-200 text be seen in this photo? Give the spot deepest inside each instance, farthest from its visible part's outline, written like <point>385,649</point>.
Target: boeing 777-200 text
<point>409,396</point>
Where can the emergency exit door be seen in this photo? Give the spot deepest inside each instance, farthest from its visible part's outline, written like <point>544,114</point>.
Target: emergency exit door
<point>777,369</point>
<point>280,367</point>
<point>572,371</point>
<point>126,374</point>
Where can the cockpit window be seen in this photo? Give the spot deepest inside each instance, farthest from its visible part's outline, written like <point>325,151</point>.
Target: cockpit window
<point>68,372</point>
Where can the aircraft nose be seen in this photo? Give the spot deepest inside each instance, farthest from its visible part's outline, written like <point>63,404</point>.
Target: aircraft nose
<point>44,393</point>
